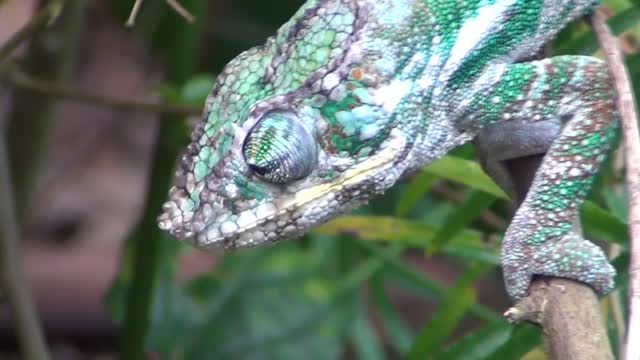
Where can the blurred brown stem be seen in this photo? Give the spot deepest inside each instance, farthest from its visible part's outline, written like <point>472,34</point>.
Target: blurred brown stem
<point>45,17</point>
<point>51,56</point>
<point>61,91</point>
<point>16,286</point>
<point>631,146</point>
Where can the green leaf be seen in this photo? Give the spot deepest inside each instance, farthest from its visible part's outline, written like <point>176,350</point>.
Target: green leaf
<point>616,203</point>
<point>523,339</point>
<point>365,342</point>
<point>467,244</point>
<point>295,317</point>
<point>478,344</point>
<point>396,328</point>
<point>465,172</point>
<point>416,189</point>
<point>448,314</point>
<point>586,44</point>
<point>600,224</point>
<point>196,89</point>
<point>428,286</point>
<point>597,222</point>
<point>475,203</point>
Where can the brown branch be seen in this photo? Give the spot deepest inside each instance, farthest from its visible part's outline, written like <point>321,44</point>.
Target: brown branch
<point>45,17</point>
<point>26,82</point>
<point>569,315</point>
<point>631,146</point>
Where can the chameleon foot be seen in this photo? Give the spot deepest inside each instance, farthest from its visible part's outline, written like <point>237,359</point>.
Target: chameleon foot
<point>570,257</point>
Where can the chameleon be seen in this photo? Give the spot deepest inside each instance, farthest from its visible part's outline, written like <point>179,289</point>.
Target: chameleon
<point>350,95</point>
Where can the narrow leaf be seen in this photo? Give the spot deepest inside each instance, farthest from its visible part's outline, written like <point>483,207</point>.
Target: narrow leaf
<point>523,339</point>
<point>397,329</point>
<point>467,244</point>
<point>410,274</point>
<point>479,343</point>
<point>447,315</point>
<point>465,172</point>
<point>365,342</point>
<point>475,203</point>
<point>587,44</point>
<point>420,185</point>
<point>597,223</point>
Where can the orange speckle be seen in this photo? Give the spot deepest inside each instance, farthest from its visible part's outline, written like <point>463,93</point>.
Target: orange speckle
<point>356,73</point>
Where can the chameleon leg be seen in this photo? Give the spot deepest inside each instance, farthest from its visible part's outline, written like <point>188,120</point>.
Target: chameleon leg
<point>576,93</point>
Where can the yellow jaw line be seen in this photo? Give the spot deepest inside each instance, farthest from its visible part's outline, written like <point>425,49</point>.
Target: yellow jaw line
<point>352,176</point>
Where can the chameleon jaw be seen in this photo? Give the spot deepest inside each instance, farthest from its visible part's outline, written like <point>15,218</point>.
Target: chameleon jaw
<point>292,216</point>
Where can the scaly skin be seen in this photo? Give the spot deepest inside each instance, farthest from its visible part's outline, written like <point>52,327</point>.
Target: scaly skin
<point>351,94</point>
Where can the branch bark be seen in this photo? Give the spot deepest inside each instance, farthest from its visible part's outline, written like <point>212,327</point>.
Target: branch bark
<point>631,146</point>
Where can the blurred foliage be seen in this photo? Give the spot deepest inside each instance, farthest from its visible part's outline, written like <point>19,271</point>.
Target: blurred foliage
<point>331,294</point>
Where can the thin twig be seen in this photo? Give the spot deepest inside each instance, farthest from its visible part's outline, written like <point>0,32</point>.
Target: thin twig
<point>174,4</point>
<point>24,81</point>
<point>134,13</point>
<point>45,17</point>
<point>631,145</point>
<point>16,285</point>
<point>181,10</point>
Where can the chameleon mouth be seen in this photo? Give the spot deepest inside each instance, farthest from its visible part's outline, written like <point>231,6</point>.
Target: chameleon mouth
<point>308,207</point>
<point>286,216</point>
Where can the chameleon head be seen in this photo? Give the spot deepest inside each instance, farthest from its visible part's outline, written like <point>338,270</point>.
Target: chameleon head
<point>270,178</point>
<point>293,133</point>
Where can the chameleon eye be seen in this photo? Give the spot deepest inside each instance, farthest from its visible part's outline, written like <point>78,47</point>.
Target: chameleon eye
<point>279,149</point>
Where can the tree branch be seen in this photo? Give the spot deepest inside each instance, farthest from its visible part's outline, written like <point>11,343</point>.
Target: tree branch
<point>631,146</point>
<point>45,17</point>
<point>23,81</point>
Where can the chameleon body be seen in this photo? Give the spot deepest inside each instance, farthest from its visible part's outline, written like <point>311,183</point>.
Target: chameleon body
<point>349,95</point>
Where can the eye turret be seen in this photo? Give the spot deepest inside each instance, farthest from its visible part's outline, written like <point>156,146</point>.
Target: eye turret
<point>279,149</point>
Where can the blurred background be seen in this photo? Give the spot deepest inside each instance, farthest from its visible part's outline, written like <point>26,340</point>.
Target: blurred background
<point>94,114</point>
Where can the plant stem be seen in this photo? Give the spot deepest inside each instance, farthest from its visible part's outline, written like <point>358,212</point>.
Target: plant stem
<point>61,91</point>
<point>45,17</point>
<point>51,56</point>
<point>149,244</point>
<point>631,144</point>
<point>14,280</point>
